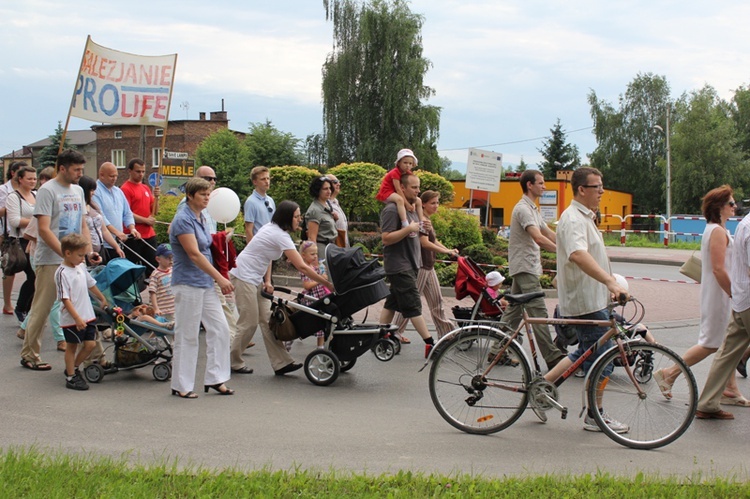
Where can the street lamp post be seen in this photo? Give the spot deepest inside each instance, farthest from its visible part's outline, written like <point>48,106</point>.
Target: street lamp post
<point>669,166</point>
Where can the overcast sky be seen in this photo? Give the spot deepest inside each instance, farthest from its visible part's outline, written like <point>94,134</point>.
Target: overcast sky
<point>503,71</point>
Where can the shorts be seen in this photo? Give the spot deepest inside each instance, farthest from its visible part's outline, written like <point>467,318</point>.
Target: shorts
<point>587,336</point>
<point>404,295</point>
<point>73,335</point>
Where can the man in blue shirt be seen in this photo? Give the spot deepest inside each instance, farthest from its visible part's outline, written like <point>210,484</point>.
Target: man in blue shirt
<point>259,207</point>
<point>114,206</point>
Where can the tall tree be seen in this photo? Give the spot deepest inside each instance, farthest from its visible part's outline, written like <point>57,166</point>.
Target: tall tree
<point>48,155</point>
<point>740,112</point>
<point>629,149</point>
<point>268,146</point>
<point>373,85</point>
<point>557,153</point>
<point>706,150</point>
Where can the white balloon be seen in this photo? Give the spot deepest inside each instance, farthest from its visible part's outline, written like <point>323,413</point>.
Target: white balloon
<point>223,205</point>
<point>621,281</point>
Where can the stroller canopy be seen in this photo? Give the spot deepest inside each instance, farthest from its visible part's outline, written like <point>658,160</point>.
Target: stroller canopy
<point>118,280</point>
<point>349,270</point>
<point>471,281</point>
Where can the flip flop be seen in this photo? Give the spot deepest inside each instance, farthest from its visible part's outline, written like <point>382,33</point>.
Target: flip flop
<point>41,366</point>
<point>664,385</point>
<point>403,339</point>
<point>738,401</point>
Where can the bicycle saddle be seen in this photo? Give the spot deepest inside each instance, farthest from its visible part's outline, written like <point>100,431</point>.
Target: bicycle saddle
<point>523,298</point>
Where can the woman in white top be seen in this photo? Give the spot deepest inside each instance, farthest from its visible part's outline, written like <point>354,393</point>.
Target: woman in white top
<point>19,207</point>
<point>253,274</point>
<point>5,190</point>
<point>716,253</point>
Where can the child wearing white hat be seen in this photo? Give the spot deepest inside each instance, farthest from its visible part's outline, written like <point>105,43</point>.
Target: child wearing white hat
<point>391,190</point>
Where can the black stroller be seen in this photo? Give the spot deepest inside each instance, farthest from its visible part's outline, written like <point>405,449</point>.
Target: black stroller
<point>359,283</point>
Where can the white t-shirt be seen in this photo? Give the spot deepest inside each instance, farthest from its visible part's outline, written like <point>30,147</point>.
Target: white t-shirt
<point>73,283</point>
<point>266,246</point>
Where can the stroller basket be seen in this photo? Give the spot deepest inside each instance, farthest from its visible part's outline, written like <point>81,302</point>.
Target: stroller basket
<point>133,354</point>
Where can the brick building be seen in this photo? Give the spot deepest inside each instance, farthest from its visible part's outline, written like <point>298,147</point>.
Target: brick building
<point>121,143</point>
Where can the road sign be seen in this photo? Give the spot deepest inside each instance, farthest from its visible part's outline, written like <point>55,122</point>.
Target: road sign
<point>153,178</point>
<point>483,170</point>
<point>176,155</point>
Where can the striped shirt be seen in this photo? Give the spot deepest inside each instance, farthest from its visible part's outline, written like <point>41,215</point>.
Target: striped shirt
<point>160,283</point>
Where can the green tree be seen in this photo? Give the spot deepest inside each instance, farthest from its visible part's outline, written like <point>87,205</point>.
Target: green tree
<point>628,148</point>
<point>315,151</point>
<point>706,151</point>
<point>373,85</point>
<point>523,166</point>
<point>228,156</point>
<point>557,153</point>
<point>268,146</point>
<point>434,182</point>
<point>740,112</point>
<point>359,185</point>
<point>48,155</point>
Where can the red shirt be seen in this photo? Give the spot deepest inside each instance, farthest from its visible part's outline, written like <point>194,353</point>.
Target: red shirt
<point>141,200</point>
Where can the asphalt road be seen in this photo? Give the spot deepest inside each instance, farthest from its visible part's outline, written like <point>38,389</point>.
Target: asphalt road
<point>376,418</point>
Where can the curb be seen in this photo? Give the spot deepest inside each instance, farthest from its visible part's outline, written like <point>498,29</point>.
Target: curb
<point>625,259</point>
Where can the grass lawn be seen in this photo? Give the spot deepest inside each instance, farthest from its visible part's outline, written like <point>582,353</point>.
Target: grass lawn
<point>28,473</point>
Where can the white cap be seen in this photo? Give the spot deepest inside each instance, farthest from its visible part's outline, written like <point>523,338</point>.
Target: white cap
<point>621,281</point>
<point>406,152</point>
<point>494,278</point>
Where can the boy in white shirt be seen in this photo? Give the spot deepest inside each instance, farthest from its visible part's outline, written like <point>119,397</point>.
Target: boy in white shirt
<point>77,316</point>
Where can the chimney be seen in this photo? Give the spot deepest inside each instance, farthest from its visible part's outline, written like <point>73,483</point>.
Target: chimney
<point>202,116</point>
<point>218,116</point>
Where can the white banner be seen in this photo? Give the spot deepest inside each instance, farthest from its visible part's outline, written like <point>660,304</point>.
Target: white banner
<point>117,87</point>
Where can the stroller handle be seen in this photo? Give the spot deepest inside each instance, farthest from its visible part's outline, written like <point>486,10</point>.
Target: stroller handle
<point>269,296</point>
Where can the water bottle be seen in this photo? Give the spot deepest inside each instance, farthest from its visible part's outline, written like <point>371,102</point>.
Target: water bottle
<point>322,267</point>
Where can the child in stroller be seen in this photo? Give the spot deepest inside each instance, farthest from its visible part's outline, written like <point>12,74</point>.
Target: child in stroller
<point>137,343</point>
<point>359,283</point>
<point>484,290</point>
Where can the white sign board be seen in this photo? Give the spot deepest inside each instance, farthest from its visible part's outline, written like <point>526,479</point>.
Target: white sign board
<point>548,198</point>
<point>176,155</point>
<point>484,170</point>
<point>549,213</point>
<point>472,211</point>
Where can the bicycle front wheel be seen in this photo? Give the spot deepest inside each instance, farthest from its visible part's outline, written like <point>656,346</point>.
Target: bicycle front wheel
<point>462,395</point>
<point>651,420</point>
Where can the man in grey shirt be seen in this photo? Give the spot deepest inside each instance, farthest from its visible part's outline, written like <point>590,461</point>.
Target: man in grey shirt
<point>528,233</point>
<point>59,211</point>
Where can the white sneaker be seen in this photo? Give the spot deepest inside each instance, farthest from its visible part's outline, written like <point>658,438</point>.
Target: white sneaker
<point>589,424</point>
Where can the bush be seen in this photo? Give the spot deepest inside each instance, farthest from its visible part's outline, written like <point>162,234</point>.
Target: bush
<point>479,253</point>
<point>434,182</point>
<point>363,227</point>
<point>489,236</point>
<point>446,274</point>
<point>455,228</point>
<point>167,210</point>
<point>546,281</point>
<point>360,183</point>
<point>292,183</point>
<point>371,242</point>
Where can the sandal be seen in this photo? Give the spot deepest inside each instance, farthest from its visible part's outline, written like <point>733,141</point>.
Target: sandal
<point>664,385</point>
<point>739,400</point>
<point>61,345</point>
<point>21,333</point>
<point>187,395</point>
<point>403,339</point>
<point>7,312</point>
<point>34,366</point>
<point>243,370</point>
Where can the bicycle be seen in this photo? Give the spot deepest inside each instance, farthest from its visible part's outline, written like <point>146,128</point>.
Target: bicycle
<point>501,385</point>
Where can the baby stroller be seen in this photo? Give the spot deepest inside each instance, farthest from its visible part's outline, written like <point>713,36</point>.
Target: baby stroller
<point>471,281</point>
<point>359,283</point>
<point>136,344</point>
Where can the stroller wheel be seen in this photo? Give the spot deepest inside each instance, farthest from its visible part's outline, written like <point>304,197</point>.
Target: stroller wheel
<point>396,346</point>
<point>93,373</point>
<point>347,364</point>
<point>384,349</point>
<point>162,371</point>
<point>322,367</point>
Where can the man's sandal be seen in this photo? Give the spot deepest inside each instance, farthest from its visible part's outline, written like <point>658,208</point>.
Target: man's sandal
<point>34,366</point>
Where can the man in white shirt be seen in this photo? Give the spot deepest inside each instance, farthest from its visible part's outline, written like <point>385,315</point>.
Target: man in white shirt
<point>584,278</point>
<point>738,332</point>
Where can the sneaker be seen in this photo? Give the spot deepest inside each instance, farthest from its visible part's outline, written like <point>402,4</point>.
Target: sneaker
<point>589,424</point>
<point>579,374</point>
<point>427,350</point>
<point>76,382</point>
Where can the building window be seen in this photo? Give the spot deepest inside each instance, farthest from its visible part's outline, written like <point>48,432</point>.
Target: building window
<point>118,134</point>
<point>155,155</point>
<point>160,132</point>
<point>118,158</point>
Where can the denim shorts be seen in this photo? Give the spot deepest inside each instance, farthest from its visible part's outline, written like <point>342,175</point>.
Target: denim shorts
<point>588,335</point>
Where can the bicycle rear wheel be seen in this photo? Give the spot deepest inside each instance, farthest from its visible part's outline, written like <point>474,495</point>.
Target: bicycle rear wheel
<point>461,394</point>
<point>653,420</point>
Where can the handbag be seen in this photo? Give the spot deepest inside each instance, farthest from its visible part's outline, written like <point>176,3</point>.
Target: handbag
<point>12,256</point>
<point>692,268</point>
<point>281,324</point>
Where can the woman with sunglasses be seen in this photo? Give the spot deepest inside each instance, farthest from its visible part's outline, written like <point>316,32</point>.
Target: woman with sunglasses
<point>716,255</point>
<point>320,217</point>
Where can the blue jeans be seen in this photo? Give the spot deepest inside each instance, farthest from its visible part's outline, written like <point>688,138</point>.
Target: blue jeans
<point>588,335</point>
